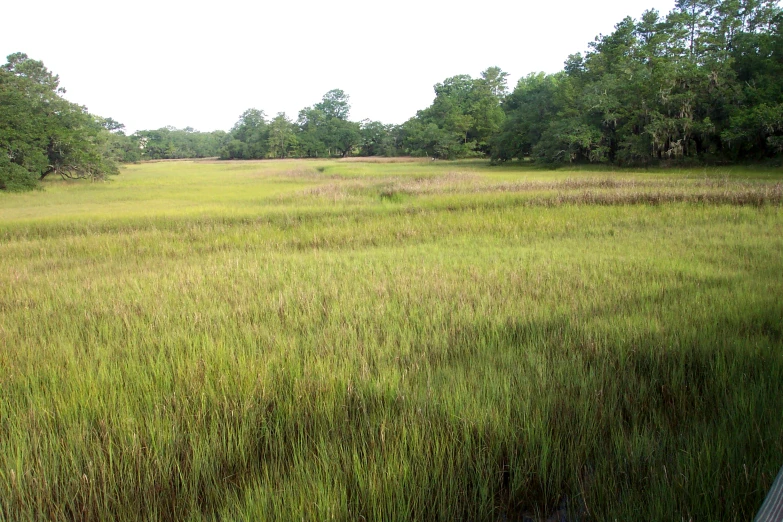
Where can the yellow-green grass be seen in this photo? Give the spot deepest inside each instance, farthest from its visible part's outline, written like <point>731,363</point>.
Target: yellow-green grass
<point>405,341</point>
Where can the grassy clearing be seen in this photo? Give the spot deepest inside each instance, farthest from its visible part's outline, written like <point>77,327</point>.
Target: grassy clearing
<point>312,340</point>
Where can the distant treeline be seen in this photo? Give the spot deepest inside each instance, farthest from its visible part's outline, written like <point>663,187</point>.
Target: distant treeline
<point>702,84</point>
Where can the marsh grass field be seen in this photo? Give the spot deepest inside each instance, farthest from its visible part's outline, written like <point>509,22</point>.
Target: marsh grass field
<point>332,340</point>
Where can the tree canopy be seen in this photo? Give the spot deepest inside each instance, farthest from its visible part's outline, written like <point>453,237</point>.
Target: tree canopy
<point>41,133</point>
<point>172,143</point>
<point>701,84</point>
<point>463,118</point>
<point>321,130</point>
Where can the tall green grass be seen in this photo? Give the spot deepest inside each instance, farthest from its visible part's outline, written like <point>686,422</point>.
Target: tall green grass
<point>316,340</point>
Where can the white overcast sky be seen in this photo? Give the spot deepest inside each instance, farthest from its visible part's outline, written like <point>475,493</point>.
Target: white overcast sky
<point>191,63</point>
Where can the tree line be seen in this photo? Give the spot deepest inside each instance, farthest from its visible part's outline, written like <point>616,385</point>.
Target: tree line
<point>701,84</point>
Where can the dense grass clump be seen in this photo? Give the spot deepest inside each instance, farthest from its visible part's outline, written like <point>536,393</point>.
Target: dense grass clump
<point>404,341</point>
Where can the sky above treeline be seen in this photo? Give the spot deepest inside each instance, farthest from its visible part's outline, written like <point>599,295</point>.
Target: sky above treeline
<point>149,64</point>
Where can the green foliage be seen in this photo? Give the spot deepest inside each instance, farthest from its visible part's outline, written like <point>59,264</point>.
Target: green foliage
<point>701,84</point>
<point>320,131</point>
<point>529,110</point>
<point>343,136</point>
<point>41,133</point>
<point>14,177</point>
<point>325,128</point>
<point>282,136</point>
<point>249,138</point>
<point>335,104</point>
<point>463,118</point>
<point>173,143</point>
<point>379,139</point>
<point>312,133</point>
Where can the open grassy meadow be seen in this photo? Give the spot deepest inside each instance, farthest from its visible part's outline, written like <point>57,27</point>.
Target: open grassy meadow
<point>346,340</point>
